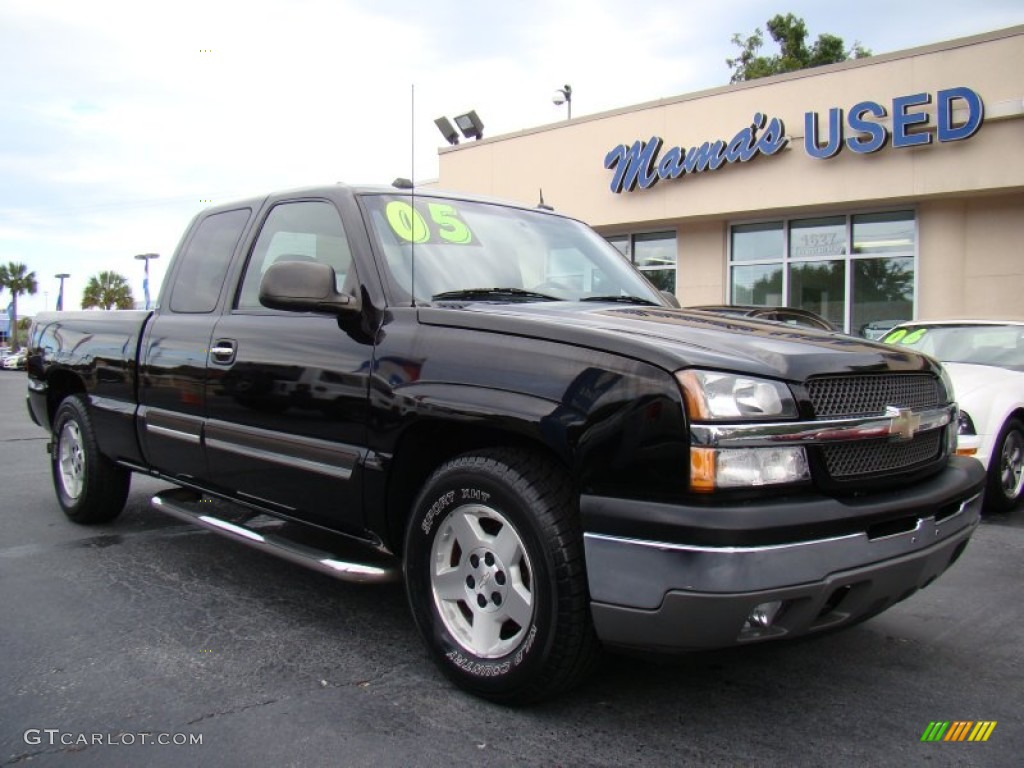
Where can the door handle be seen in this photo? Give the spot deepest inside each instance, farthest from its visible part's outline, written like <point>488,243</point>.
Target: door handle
<point>223,351</point>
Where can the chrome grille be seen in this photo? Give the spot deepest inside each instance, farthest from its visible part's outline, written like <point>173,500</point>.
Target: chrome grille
<point>878,457</point>
<point>864,395</point>
<point>870,395</point>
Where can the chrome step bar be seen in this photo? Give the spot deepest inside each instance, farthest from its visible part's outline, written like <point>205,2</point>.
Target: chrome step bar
<point>193,508</point>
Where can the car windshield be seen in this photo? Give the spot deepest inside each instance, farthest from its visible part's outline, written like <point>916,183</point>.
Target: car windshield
<point>988,344</point>
<point>444,250</point>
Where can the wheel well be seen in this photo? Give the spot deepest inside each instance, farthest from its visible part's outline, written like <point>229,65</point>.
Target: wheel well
<point>59,385</point>
<point>425,447</point>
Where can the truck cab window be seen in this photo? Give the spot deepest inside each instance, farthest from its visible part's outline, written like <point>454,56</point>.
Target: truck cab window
<point>300,231</point>
<point>205,260</point>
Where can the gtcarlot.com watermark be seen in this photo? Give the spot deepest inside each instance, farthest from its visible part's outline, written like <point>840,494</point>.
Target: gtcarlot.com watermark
<point>55,737</point>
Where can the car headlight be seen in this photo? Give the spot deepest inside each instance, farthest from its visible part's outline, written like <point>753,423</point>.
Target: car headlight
<point>712,396</point>
<point>728,398</point>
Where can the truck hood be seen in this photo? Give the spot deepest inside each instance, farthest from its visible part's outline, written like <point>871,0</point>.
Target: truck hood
<point>675,338</point>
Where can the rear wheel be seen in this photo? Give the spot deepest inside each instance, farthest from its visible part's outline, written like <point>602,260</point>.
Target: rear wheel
<point>1006,468</point>
<point>495,576</point>
<point>90,487</point>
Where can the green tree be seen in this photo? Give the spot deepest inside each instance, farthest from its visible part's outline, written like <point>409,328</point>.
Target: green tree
<point>790,32</point>
<point>108,290</point>
<point>18,280</point>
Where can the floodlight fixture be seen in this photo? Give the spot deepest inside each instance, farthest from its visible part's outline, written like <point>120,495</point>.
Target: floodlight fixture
<point>562,96</point>
<point>471,125</point>
<point>447,130</point>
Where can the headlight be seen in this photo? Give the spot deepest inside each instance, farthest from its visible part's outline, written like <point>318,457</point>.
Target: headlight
<point>713,469</point>
<point>714,396</point>
<point>965,424</point>
<point>726,397</point>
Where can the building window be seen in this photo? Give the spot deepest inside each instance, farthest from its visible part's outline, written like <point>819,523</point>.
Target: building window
<point>653,253</point>
<point>856,271</point>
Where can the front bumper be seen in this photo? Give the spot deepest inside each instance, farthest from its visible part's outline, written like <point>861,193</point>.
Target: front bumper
<point>673,595</point>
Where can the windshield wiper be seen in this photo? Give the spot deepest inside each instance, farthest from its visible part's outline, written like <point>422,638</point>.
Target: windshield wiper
<point>492,293</point>
<point>622,300</point>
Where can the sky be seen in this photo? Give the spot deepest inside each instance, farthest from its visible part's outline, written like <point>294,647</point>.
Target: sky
<point>120,120</point>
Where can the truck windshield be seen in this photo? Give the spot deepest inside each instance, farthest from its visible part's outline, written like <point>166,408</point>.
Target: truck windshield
<point>443,250</point>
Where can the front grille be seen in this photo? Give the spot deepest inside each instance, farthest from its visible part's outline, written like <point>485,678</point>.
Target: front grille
<point>871,395</point>
<point>833,396</point>
<point>845,461</point>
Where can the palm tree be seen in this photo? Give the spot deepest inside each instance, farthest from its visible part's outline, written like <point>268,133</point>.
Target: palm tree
<point>17,279</point>
<point>108,290</point>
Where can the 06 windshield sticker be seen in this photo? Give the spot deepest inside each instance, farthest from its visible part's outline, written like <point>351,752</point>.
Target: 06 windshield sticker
<point>443,224</point>
<point>903,336</point>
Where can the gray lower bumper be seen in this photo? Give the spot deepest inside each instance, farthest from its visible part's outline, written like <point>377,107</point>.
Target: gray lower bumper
<point>672,596</point>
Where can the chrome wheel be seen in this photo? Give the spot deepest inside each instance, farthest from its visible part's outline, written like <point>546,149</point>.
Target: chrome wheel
<point>482,581</point>
<point>71,460</point>
<point>1011,465</point>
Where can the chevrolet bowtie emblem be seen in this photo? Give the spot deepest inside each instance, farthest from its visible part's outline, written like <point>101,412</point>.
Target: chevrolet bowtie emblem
<point>903,423</point>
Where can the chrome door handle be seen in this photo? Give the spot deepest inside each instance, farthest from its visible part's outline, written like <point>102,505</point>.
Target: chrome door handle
<point>223,351</point>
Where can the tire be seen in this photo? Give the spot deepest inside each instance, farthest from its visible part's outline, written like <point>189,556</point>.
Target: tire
<point>90,487</point>
<point>1006,468</point>
<point>495,577</point>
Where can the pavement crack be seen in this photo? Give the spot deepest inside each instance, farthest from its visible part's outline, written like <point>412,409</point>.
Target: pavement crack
<point>233,711</point>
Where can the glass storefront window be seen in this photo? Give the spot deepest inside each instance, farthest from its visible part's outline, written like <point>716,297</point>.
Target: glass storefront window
<point>653,253</point>
<point>814,238</point>
<point>856,271</point>
<point>758,242</point>
<point>884,233</point>
<point>883,292</point>
<point>757,284</point>
<point>820,286</point>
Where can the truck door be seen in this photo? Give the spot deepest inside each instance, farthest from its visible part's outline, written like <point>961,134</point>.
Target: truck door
<point>287,392</point>
<point>176,347</point>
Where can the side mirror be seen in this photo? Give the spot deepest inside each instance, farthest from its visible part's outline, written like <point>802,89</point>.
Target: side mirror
<point>298,286</point>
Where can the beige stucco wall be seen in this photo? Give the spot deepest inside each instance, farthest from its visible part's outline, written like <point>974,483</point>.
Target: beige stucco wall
<point>969,194</point>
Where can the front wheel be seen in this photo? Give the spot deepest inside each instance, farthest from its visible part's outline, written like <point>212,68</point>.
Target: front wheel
<point>495,576</point>
<point>1006,468</point>
<point>90,487</point>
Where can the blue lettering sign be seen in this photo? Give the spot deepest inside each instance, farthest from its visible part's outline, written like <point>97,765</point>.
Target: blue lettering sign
<point>835,134</point>
<point>901,120</point>
<point>638,164</point>
<point>871,136</point>
<point>876,134</point>
<point>975,112</point>
<point>635,164</point>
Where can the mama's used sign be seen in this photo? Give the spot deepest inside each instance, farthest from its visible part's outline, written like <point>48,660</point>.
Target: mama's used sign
<point>643,163</point>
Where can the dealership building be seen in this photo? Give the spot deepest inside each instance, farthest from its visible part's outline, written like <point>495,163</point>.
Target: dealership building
<point>878,189</point>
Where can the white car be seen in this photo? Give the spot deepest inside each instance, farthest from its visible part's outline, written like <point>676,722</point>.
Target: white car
<point>14,362</point>
<point>985,360</point>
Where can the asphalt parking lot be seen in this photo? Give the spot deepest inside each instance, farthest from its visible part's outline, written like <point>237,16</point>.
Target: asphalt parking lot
<point>120,636</point>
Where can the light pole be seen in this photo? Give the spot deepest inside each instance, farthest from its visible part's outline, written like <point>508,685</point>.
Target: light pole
<point>562,96</point>
<point>60,295</point>
<point>145,257</point>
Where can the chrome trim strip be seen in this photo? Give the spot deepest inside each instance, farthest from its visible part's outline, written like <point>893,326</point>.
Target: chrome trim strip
<point>342,473</point>
<point>892,426</point>
<point>175,434</point>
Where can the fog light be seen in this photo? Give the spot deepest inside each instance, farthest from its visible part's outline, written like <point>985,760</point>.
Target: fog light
<point>763,615</point>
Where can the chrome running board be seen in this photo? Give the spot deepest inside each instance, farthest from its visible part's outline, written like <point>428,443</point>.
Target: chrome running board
<point>193,508</point>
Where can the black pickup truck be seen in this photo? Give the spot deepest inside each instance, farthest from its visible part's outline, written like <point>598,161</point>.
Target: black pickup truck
<point>490,403</point>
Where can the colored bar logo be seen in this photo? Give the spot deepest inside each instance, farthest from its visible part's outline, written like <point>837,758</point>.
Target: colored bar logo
<point>959,730</point>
